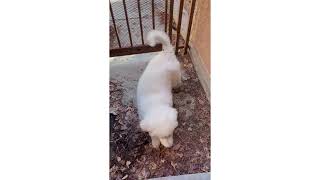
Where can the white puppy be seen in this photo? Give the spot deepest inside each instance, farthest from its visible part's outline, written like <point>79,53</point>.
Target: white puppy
<point>154,96</point>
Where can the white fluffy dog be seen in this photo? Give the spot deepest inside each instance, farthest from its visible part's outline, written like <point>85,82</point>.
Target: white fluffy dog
<point>154,96</point>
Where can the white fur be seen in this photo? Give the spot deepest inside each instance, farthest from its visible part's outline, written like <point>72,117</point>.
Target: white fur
<point>154,96</point>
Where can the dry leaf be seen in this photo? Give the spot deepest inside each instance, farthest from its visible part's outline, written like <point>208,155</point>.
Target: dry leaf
<point>180,155</point>
<point>153,165</point>
<point>173,165</point>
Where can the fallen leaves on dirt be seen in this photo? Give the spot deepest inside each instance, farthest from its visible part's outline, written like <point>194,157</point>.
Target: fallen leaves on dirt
<point>132,155</point>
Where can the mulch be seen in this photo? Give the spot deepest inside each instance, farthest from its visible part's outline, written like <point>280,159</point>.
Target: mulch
<point>131,153</point>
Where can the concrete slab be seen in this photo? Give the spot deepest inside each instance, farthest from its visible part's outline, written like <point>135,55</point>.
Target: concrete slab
<point>127,70</point>
<point>198,176</point>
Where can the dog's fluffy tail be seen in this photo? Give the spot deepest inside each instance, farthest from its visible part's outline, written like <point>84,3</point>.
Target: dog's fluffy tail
<point>155,37</point>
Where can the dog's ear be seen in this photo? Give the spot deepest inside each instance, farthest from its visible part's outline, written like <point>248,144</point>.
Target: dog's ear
<point>144,125</point>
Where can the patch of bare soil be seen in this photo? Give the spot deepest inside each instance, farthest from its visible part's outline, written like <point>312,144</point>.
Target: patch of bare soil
<point>132,155</point>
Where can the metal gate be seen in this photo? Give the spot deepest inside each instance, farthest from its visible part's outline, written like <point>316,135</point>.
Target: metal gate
<point>131,20</point>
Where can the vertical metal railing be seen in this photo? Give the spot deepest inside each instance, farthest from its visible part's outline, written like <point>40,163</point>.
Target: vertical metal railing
<point>114,24</point>
<point>189,26</point>
<point>171,19</point>
<point>127,20</point>
<point>153,21</point>
<point>179,25</point>
<point>168,26</point>
<point>166,17</point>
<point>140,21</point>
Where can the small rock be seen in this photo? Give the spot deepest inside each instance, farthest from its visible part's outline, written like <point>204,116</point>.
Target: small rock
<point>128,163</point>
<point>143,157</point>
<point>176,147</point>
<point>123,127</point>
<point>118,158</point>
<point>201,102</point>
<point>185,77</point>
<point>189,129</point>
<point>125,177</point>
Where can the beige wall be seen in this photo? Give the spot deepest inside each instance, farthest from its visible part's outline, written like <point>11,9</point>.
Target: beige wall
<point>200,34</point>
<point>199,39</point>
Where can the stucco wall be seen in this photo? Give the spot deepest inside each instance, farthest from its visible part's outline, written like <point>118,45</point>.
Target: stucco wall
<point>199,38</point>
<point>200,34</point>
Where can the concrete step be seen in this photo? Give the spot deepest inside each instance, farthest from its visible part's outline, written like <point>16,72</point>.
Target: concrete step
<point>198,176</point>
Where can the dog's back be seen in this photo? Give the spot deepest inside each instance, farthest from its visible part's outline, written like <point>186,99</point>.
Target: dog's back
<point>155,84</point>
<point>154,96</point>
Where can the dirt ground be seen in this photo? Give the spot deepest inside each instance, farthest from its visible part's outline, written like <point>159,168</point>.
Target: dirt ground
<point>132,155</point>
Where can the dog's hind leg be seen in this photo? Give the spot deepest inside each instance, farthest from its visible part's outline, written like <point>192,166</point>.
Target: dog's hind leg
<point>155,141</point>
<point>175,72</point>
<point>176,78</point>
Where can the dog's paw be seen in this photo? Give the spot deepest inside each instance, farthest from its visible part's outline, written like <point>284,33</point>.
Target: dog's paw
<point>155,143</point>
